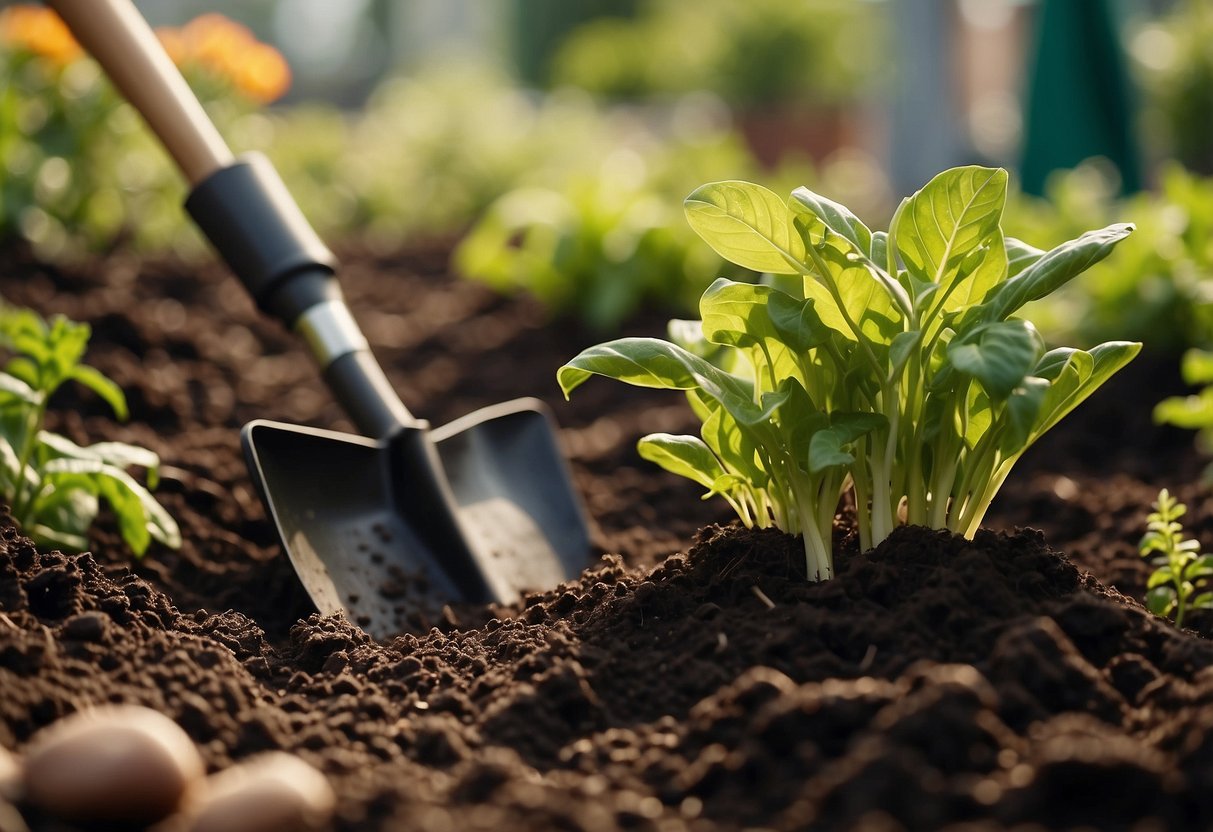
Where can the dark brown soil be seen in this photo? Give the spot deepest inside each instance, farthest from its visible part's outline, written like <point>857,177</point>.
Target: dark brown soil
<point>692,679</point>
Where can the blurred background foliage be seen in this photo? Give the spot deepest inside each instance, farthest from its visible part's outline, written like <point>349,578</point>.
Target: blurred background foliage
<point>549,144</point>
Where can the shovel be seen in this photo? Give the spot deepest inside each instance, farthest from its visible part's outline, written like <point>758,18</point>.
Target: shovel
<point>404,518</point>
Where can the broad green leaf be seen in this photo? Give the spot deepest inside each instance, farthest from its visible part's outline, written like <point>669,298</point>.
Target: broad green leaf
<point>1052,271</point>
<point>1160,600</point>
<point>1069,389</point>
<point>796,321</point>
<point>1188,412</point>
<point>686,456</point>
<point>953,215</point>
<point>24,369</point>
<point>689,336</point>
<point>1023,409</point>
<point>979,415</point>
<point>880,251</point>
<point>110,392</point>
<point>900,351</point>
<point>119,454</point>
<point>1198,366</point>
<point>1020,255</point>
<point>15,387</point>
<point>799,420</point>
<point>864,299</point>
<point>650,362</point>
<point>1055,360</point>
<point>1203,601</point>
<point>734,446</point>
<point>838,218</point>
<point>998,355</point>
<point>68,509</point>
<point>827,448</point>
<point>1161,576</point>
<point>139,516</point>
<point>52,537</point>
<point>1154,541</point>
<point>1201,567</point>
<point>735,313</point>
<point>984,268</point>
<point>832,255</point>
<point>746,224</point>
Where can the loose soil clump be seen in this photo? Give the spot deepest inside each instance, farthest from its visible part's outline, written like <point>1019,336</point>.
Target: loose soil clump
<point>690,679</point>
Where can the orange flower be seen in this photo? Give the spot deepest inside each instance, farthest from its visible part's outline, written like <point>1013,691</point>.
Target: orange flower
<point>229,50</point>
<point>40,31</point>
<point>264,74</point>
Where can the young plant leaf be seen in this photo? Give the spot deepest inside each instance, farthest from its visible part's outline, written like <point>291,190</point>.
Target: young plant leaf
<point>953,215</point>
<point>747,224</point>
<point>838,218</point>
<point>51,483</point>
<point>685,456</point>
<point>827,448</point>
<point>1052,271</point>
<point>998,355</point>
<point>912,386</point>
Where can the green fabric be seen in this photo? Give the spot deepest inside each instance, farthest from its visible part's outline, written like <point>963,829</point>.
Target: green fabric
<point>1080,101</point>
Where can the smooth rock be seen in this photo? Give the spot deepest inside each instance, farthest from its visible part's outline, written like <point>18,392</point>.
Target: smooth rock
<point>113,764</point>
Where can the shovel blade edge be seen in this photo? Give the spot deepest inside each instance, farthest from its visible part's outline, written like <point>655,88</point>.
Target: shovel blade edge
<point>332,497</point>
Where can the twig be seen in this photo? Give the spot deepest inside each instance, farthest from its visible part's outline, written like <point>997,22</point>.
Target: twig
<point>762,596</point>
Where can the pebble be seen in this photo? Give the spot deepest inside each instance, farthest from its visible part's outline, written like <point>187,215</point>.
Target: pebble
<point>266,793</point>
<point>118,764</point>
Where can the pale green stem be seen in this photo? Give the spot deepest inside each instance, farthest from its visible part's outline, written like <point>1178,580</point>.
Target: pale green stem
<point>975,512</point>
<point>863,517</point>
<point>21,502</point>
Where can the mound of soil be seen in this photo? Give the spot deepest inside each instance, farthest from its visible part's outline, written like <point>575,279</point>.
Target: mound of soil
<point>691,679</point>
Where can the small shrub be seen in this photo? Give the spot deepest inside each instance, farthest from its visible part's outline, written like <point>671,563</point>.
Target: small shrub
<point>52,485</point>
<point>1181,568</point>
<point>888,364</point>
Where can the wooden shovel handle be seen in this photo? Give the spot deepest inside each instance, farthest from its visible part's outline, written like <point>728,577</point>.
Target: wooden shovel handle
<point>115,33</point>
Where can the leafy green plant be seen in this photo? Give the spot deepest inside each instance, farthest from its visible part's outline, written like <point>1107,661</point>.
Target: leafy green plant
<point>757,54</point>
<point>887,364</point>
<point>1172,588</point>
<point>54,486</point>
<point>1158,288</point>
<point>604,241</point>
<point>78,169</point>
<point>1194,412</point>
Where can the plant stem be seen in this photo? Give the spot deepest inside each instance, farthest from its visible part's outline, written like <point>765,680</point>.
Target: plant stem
<point>29,439</point>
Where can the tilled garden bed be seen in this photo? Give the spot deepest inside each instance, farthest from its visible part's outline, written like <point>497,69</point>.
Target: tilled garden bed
<point>691,679</point>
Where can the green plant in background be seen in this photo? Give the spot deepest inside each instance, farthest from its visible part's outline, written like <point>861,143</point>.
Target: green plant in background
<point>605,242</point>
<point>52,485</point>
<point>754,54</point>
<point>77,167</point>
<point>1176,71</point>
<point>1194,412</point>
<point>1181,568</point>
<point>888,364</point>
<point>1159,288</point>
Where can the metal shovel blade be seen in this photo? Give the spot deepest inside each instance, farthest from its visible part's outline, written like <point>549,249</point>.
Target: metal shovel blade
<point>480,509</point>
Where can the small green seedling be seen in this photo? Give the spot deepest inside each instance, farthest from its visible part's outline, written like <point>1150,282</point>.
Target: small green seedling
<point>52,485</point>
<point>888,364</point>
<point>1172,589</point>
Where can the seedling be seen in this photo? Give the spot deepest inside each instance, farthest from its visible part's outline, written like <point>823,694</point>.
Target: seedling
<point>52,485</point>
<point>887,364</point>
<point>1171,590</point>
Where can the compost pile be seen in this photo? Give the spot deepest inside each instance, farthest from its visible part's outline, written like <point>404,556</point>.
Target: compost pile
<point>691,679</point>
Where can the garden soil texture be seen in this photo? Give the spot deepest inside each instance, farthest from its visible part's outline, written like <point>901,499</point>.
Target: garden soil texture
<point>692,679</point>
